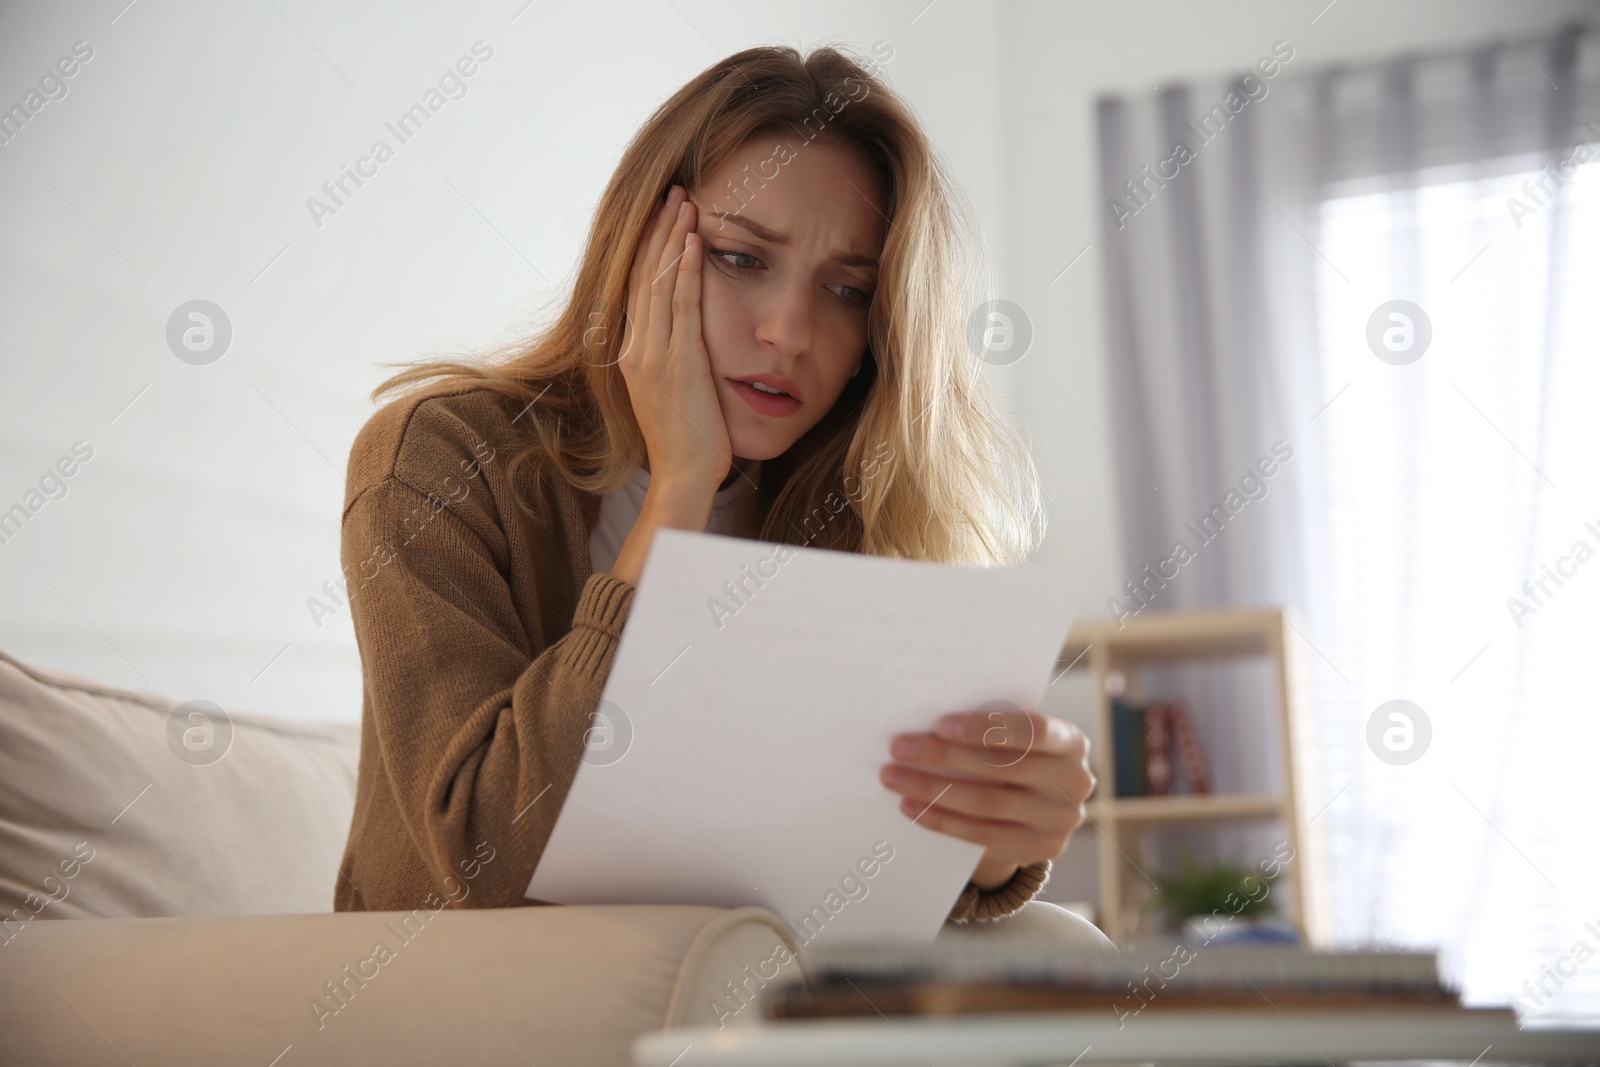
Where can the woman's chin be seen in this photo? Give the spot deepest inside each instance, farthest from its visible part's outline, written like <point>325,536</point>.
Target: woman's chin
<point>749,448</point>
<point>755,445</point>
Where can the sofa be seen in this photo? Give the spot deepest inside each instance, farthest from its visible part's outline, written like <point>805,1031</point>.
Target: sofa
<point>166,886</point>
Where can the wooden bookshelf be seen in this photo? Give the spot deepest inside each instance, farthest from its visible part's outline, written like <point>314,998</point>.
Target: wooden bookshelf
<point>1107,650</point>
<point>1177,809</point>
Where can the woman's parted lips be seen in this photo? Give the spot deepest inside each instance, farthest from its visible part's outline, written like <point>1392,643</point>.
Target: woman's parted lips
<point>773,381</point>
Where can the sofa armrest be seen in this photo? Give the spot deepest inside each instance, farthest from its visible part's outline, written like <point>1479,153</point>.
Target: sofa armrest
<point>550,985</point>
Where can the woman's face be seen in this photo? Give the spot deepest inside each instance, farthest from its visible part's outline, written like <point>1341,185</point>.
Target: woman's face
<point>792,232</point>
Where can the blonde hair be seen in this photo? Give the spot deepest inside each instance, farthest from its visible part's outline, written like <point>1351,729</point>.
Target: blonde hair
<point>937,472</point>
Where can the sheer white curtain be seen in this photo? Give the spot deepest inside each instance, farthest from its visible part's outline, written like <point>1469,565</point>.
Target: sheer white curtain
<point>1444,454</point>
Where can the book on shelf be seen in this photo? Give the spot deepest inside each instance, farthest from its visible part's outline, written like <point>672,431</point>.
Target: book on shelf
<point>1149,742</point>
<point>1128,747</point>
<point>1008,974</point>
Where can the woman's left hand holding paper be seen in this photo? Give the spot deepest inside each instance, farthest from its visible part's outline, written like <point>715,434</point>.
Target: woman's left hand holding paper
<point>1013,781</point>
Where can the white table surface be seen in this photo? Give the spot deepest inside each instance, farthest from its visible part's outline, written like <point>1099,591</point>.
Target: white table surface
<point>1234,1036</point>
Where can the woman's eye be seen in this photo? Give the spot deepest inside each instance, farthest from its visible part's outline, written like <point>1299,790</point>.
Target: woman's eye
<point>724,256</point>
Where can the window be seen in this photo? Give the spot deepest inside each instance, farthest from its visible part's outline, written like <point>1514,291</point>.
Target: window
<point>1457,548</point>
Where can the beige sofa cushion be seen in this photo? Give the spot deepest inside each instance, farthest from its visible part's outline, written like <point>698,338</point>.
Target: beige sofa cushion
<point>558,987</point>
<point>115,803</point>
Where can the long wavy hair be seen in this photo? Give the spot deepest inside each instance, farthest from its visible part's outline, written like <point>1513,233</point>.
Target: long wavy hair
<point>915,460</point>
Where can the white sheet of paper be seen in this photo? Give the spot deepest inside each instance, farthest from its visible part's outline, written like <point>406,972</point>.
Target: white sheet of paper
<point>735,756</point>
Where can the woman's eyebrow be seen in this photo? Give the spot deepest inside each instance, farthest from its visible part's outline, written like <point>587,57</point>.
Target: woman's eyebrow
<point>762,233</point>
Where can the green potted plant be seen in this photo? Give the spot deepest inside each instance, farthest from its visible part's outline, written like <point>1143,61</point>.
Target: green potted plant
<point>1225,901</point>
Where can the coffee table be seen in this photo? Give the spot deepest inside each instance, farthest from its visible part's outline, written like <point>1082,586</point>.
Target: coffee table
<point>1223,1036</point>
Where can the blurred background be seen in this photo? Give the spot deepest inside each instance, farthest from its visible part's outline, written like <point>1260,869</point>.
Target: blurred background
<point>1305,288</point>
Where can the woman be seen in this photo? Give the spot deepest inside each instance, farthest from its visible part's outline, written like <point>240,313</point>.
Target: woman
<point>793,365</point>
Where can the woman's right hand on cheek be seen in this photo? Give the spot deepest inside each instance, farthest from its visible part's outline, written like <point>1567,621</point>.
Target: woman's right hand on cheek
<point>664,360</point>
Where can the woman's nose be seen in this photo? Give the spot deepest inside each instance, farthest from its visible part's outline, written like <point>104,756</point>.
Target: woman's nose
<point>786,322</point>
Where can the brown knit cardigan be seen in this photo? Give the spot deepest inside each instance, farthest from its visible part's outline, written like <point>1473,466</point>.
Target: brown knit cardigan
<point>485,643</point>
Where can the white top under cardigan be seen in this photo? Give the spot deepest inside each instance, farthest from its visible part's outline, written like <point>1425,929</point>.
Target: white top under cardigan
<point>620,508</point>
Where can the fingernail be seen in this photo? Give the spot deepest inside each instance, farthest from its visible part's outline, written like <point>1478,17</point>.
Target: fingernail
<point>904,747</point>
<point>949,726</point>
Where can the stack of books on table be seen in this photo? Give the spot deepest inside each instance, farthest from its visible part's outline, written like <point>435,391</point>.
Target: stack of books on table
<point>1001,974</point>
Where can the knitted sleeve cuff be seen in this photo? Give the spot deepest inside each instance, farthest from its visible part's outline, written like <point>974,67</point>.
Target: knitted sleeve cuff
<point>603,607</point>
<point>980,905</point>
